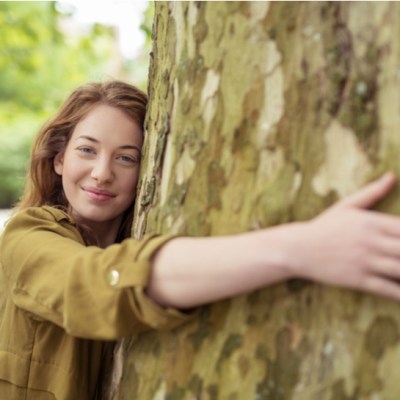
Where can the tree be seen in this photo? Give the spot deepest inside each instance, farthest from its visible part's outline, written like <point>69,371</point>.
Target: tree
<point>262,113</point>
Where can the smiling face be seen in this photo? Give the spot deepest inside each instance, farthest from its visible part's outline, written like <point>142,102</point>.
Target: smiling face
<point>100,167</point>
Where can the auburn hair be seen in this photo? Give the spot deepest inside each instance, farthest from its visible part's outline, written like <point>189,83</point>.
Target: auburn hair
<point>43,186</point>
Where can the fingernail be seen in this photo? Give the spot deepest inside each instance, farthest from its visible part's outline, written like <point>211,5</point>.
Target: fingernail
<point>387,176</point>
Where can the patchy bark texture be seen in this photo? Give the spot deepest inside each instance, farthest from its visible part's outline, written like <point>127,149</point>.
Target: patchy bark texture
<point>263,113</point>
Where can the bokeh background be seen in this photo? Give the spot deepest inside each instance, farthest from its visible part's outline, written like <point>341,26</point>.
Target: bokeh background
<point>46,50</point>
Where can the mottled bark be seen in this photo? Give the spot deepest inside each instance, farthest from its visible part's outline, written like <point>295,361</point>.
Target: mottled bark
<point>263,113</point>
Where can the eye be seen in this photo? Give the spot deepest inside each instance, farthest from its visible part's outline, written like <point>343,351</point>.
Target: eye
<point>85,150</point>
<point>128,159</point>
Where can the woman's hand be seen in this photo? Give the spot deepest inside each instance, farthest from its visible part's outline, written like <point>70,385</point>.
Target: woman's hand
<point>351,246</point>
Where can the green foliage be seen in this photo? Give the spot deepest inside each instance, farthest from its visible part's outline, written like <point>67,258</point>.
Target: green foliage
<point>39,66</point>
<point>138,68</point>
<point>147,24</point>
<point>15,139</point>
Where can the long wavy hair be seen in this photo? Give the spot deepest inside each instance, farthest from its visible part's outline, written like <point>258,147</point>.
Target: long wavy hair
<point>43,186</point>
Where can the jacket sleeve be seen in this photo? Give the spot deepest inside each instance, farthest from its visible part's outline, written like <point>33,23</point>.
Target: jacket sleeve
<point>90,292</point>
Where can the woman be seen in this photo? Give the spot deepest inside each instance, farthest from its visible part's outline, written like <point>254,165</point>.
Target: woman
<point>73,281</point>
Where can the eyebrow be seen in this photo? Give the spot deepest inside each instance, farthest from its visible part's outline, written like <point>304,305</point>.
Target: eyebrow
<point>126,146</point>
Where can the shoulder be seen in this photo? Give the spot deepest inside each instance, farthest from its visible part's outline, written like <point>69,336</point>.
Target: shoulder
<point>44,212</point>
<point>45,219</point>
<point>41,213</point>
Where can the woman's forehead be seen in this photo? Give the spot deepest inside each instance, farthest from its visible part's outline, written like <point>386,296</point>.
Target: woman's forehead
<point>106,123</point>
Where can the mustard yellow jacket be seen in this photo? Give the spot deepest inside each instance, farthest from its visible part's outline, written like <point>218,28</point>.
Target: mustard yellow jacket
<point>61,302</point>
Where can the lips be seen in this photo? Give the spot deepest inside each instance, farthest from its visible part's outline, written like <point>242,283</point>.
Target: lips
<point>97,194</point>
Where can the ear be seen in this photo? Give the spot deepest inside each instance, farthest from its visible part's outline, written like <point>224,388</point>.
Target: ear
<point>58,163</point>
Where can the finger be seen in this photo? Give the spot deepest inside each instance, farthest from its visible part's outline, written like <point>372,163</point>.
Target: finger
<point>382,287</point>
<point>386,266</point>
<point>371,193</point>
<point>389,225</point>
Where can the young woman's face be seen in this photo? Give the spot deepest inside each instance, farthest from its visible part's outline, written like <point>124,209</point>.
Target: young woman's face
<point>100,166</point>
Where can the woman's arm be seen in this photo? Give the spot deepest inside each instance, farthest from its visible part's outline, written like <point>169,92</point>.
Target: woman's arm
<point>347,245</point>
<point>89,292</point>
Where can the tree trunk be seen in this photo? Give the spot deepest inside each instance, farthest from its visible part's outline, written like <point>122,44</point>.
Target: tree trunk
<point>260,114</point>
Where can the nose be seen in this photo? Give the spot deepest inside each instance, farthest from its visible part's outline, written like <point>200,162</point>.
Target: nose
<point>102,170</point>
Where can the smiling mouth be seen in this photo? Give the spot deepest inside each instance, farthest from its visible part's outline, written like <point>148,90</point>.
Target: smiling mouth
<point>98,194</point>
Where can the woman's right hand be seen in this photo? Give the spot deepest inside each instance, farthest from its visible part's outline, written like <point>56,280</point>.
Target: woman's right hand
<point>351,246</point>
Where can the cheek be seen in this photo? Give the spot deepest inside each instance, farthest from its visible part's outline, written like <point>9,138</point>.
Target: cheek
<point>73,170</point>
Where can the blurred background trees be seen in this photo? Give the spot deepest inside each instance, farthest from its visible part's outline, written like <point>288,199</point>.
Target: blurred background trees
<point>44,54</point>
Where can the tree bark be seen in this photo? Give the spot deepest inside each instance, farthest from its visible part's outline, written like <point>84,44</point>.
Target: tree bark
<point>260,114</point>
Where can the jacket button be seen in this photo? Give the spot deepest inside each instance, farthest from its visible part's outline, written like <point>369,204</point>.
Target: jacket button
<point>113,277</point>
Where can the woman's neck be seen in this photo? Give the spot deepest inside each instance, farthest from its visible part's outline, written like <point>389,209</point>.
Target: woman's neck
<point>105,236</point>
<point>104,233</point>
